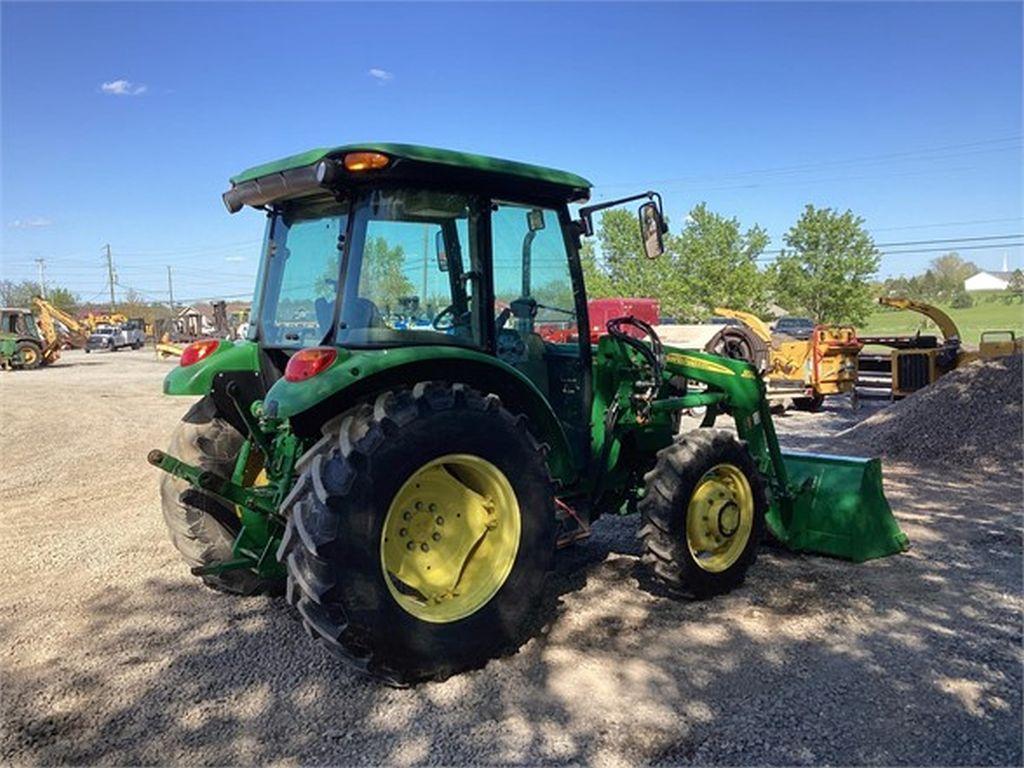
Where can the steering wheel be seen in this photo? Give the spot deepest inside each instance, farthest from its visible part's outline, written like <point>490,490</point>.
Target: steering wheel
<point>436,322</point>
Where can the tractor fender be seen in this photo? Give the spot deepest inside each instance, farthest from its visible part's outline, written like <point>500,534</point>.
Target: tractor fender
<point>359,374</point>
<point>197,379</point>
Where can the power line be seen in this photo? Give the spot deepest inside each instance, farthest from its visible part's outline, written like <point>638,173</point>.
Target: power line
<point>947,224</point>
<point>910,154</point>
<point>773,255</point>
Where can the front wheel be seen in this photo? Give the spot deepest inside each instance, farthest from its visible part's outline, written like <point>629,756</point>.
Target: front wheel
<point>419,540</point>
<point>703,514</point>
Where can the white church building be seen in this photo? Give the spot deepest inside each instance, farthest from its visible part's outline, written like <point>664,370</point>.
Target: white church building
<point>990,280</point>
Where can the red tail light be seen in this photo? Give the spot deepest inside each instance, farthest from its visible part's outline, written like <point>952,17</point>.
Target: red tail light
<point>307,363</point>
<point>198,350</point>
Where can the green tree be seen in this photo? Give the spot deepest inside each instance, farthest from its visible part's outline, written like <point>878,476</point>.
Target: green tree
<point>825,269</point>
<point>20,295</point>
<point>944,280</point>
<point>717,264</point>
<point>961,300</point>
<point>1015,290</point>
<point>629,273</point>
<point>597,280</point>
<point>383,275</point>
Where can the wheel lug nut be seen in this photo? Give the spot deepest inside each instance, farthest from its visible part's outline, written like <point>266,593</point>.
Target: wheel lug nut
<point>424,547</point>
<point>432,507</point>
<point>419,505</point>
<point>406,515</point>
<point>411,545</point>
<point>440,520</point>
<point>403,531</point>
<point>436,537</point>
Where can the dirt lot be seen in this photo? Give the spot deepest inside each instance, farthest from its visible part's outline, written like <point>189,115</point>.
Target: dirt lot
<point>112,653</point>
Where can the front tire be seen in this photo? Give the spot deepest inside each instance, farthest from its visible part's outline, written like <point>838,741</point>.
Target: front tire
<point>437,479</point>
<point>703,514</point>
<point>202,528</point>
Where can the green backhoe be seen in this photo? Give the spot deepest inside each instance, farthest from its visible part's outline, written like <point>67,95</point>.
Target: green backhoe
<point>398,449</point>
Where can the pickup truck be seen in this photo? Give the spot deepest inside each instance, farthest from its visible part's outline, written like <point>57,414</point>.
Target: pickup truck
<point>115,337</point>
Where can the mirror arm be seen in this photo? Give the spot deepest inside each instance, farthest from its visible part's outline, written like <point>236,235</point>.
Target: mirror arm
<point>586,222</point>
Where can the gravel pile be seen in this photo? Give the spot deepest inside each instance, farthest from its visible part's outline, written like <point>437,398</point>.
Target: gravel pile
<point>971,416</point>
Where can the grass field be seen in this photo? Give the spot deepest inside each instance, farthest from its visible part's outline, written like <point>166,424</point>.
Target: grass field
<point>983,316</point>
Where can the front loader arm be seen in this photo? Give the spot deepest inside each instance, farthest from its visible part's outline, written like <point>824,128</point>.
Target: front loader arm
<point>735,387</point>
<point>828,504</point>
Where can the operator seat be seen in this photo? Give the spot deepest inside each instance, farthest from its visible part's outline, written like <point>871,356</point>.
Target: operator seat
<point>363,313</point>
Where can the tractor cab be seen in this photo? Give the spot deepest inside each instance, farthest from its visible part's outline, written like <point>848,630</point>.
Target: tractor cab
<point>380,247</point>
<point>19,322</point>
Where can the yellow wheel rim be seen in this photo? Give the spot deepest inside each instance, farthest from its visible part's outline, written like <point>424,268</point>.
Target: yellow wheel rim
<point>29,356</point>
<point>719,518</point>
<point>450,538</point>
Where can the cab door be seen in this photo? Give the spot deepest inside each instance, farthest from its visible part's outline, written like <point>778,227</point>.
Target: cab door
<point>540,312</point>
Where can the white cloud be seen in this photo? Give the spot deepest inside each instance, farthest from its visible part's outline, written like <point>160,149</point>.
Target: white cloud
<point>123,88</point>
<point>234,258</point>
<point>35,222</point>
<point>381,75</point>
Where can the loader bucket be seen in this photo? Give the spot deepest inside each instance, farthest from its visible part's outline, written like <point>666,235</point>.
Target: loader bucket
<point>837,508</point>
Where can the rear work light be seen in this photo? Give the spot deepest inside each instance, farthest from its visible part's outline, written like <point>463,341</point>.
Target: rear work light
<point>307,363</point>
<point>366,161</point>
<point>198,350</point>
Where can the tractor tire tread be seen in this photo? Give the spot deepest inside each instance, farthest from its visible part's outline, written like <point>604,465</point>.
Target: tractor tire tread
<point>201,528</point>
<point>662,533</point>
<point>311,538</point>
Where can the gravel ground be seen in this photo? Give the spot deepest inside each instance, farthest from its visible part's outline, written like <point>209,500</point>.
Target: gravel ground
<point>111,653</point>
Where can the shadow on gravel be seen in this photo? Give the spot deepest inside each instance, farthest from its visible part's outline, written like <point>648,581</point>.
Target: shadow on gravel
<point>909,660</point>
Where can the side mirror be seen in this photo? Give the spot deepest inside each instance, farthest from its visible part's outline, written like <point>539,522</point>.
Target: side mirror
<point>652,229</point>
<point>442,255</point>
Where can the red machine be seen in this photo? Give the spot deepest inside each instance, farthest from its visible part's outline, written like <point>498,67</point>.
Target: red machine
<point>601,311</point>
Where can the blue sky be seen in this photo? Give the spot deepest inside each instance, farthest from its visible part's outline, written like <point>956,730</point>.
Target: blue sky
<point>122,122</point>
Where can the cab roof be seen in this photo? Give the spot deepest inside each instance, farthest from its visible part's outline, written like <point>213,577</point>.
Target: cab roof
<point>575,187</point>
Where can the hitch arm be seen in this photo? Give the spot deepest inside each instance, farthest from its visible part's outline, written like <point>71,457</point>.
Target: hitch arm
<point>214,484</point>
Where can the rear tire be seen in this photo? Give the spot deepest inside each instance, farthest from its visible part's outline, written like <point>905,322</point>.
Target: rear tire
<point>336,550</point>
<point>703,514</point>
<point>202,528</point>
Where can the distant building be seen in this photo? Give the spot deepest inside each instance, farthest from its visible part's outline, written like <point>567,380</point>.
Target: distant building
<point>988,281</point>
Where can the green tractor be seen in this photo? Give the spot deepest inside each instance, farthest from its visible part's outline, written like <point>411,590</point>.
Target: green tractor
<point>406,477</point>
<point>21,343</point>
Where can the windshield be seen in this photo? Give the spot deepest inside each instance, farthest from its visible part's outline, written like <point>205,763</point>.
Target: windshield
<point>302,266</point>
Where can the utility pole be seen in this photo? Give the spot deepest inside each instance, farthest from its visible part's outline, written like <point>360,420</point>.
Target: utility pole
<point>170,289</point>
<point>41,264</point>
<point>110,276</point>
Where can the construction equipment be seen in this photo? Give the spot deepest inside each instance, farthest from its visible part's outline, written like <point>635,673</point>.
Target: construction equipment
<point>918,360</point>
<point>728,338</point>
<point>411,484</point>
<point>805,368</point>
<point>53,339</point>
<point>21,344</point>
<point>94,320</point>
